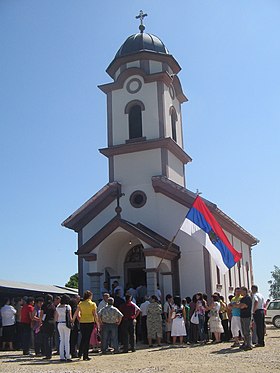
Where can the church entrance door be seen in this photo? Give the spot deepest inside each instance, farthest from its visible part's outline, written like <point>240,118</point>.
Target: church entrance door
<point>134,267</point>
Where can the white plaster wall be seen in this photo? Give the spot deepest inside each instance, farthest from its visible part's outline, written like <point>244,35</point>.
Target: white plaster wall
<point>150,120</point>
<point>99,221</point>
<point>175,169</point>
<point>191,265</point>
<point>155,66</point>
<point>137,168</point>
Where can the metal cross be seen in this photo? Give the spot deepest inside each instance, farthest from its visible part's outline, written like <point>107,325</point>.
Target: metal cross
<point>141,16</point>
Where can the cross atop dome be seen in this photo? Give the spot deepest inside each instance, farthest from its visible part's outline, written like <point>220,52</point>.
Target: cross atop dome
<point>141,16</point>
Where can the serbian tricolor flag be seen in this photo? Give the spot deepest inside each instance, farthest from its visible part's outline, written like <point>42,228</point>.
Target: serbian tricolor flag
<point>202,226</point>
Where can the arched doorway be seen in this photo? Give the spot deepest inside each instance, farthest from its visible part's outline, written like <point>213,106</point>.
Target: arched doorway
<point>134,266</point>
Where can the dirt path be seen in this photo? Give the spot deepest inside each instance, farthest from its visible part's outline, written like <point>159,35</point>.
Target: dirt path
<point>208,359</point>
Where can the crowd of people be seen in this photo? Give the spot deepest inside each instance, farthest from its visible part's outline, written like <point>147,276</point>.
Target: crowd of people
<point>70,326</point>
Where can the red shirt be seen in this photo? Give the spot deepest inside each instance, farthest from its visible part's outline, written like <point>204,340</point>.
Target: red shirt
<point>25,313</point>
<point>128,310</point>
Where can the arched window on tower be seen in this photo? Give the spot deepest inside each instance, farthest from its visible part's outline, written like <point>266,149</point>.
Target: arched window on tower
<point>173,115</point>
<point>134,110</point>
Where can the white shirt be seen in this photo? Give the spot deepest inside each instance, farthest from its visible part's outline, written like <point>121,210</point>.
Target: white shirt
<point>61,311</point>
<point>144,308</point>
<point>158,294</point>
<point>257,297</point>
<point>8,315</point>
<point>101,305</point>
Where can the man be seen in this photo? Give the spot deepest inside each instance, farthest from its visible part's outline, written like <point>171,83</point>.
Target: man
<point>235,317</point>
<point>110,318</point>
<point>116,287</point>
<point>26,318</point>
<point>144,309</point>
<point>36,326</point>
<point>130,312</point>
<point>258,314</point>
<point>245,307</point>
<point>167,312</point>
<point>104,302</point>
<point>118,299</point>
<point>105,288</point>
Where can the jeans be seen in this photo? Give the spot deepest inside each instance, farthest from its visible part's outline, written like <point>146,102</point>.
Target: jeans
<point>201,319</point>
<point>64,344</point>
<point>259,321</point>
<point>246,330</point>
<point>86,330</point>
<point>109,332</point>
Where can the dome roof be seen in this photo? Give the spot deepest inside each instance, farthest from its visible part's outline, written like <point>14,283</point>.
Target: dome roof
<point>141,42</point>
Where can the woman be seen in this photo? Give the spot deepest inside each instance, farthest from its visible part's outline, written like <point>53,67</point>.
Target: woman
<point>63,329</point>
<point>8,313</point>
<point>214,320</point>
<point>87,313</point>
<point>200,310</point>
<point>154,321</point>
<point>178,315</point>
<point>193,327</point>
<point>225,319</point>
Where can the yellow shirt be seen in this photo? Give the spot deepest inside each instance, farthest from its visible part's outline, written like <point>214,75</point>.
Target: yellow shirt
<point>87,307</point>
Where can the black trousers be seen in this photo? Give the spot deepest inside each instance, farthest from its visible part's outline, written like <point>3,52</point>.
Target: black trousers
<point>86,330</point>
<point>128,333</point>
<point>144,332</point>
<point>74,341</point>
<point>26,337</point>
<point>259,321</point>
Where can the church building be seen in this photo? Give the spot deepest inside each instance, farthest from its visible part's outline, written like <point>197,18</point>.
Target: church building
<point>125,230</point>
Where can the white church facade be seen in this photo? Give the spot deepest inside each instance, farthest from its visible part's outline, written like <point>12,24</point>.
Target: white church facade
<point>125,229</point>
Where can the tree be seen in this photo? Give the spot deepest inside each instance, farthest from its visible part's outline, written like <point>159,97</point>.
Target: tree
<point>73,282</point>
<point>274,290</point>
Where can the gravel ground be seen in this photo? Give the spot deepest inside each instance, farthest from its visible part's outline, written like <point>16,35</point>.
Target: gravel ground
<point>209,358</point>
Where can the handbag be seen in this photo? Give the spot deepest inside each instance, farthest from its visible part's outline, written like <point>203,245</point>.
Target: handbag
<point>67,318</point>
<point>194,318</point>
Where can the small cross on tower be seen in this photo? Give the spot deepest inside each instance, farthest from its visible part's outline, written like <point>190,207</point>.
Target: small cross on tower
<point>141,16</point>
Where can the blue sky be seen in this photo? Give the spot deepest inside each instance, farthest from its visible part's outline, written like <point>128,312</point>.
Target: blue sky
<point>53,117</point>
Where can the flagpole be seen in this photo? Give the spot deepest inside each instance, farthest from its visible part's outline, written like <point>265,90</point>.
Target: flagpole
<point>168,248</point>
<point>174,237</point>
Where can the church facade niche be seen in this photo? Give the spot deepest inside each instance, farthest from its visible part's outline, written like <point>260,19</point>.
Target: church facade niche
<point>174,118</point>
<point>134,267</point>
<point>135,126</point>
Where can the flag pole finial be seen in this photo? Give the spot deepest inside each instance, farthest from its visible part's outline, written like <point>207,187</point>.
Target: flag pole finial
<point>198,193</point>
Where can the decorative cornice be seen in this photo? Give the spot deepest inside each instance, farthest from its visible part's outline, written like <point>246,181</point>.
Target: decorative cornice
<point>163,76</point>
<point>143,55</point>
<point>87,257</point>
<point>90,209</point>
<point>186,198</point>
<point>166,142</point>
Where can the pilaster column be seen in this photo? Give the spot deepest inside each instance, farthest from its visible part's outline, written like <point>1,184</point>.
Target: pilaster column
<point>151,276</point>
<point>95,284</point>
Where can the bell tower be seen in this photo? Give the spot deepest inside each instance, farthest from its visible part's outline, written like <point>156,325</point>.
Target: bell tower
<point>144,121</point>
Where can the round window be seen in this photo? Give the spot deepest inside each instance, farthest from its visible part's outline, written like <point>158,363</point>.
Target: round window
<point>138,199</point>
